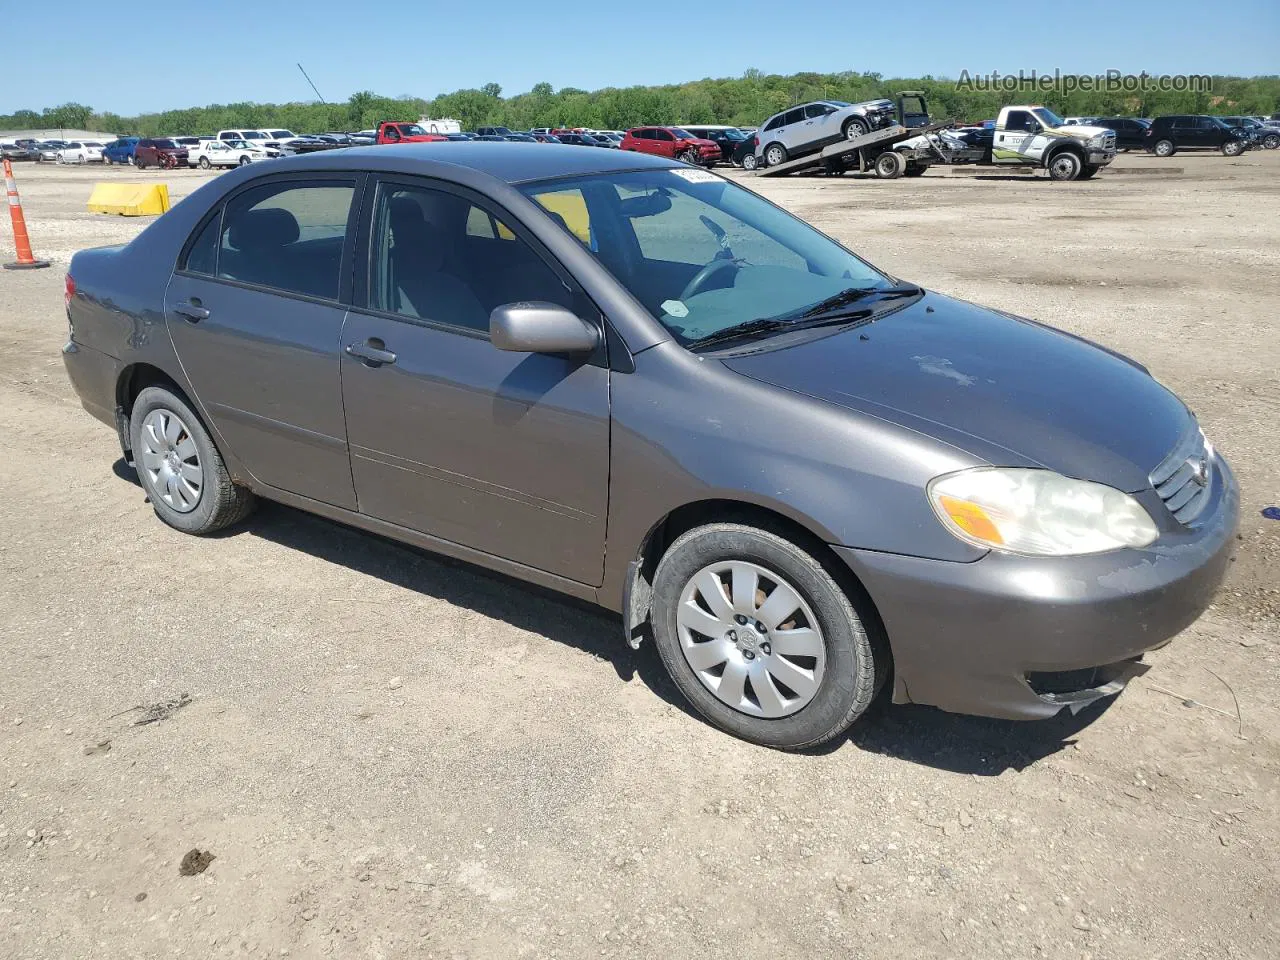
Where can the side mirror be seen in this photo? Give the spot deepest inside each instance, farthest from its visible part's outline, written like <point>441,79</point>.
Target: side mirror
<point>540,327</point>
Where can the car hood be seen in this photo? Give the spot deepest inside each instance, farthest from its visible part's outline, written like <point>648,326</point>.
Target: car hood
<point>1082,131</point>
<point>1007,390</point>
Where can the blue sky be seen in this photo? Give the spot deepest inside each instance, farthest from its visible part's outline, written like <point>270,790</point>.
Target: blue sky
<point>131,58</point>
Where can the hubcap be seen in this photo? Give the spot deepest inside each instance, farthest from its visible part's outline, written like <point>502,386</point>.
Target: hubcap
<point>775,156</point>
<point>1064,166</point>
<point>852,132</point>
<point>751,639</point>
<point>171,461</point>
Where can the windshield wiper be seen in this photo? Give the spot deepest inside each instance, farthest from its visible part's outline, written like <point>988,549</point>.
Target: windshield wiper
<point>854,294</point>
<point>829,311</point>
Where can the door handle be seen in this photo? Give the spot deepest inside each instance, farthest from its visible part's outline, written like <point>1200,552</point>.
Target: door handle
<point>191,311</point>
<point>371,352</point>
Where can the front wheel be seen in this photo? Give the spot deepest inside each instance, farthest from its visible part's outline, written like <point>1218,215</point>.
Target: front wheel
<point>687,156</point>
<point>1165,148</point>
<point>180,468</point>
<point>1088,171</point>
<point>760,637</point>
<point>915,169</point>
<point>855,128</point>
<point>1232,148</point>
<point>1065,166</point>
<point>890,165</point>
<point>749,162</point>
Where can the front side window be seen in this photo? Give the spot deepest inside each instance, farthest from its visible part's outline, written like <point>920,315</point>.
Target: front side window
<point>700,253</point>
<point>1018,120</point>
<point>438,257</point>
<point>662,135</point>
<point>793,116</point>
<point>228,135</point>
<point>816,110</point>
<point>287,236</point>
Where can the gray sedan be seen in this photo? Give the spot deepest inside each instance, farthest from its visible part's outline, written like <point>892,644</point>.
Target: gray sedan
<point>644,386</point>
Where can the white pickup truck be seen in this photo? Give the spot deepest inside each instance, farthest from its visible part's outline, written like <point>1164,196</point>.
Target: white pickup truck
<point>226,153</point>
<point>1037,136</point>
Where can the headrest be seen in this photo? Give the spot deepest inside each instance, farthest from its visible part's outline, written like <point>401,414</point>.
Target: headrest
<point>413,235</point>
<point>263,229</point>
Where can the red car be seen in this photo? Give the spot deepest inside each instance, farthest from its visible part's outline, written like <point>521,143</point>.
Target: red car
<point>391,131</point>
<point>160,152</point>
<point>672,142</point>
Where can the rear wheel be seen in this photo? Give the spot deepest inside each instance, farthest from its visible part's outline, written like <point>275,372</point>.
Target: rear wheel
<point>180,468</point>
<point>1271,141</point>
<point>760,637</point>
<point>107,160</point>
<point>1065,166</point>
<point>1232,148</point>
<point>137,162</point>
<point>890,165</point>
<point>245,160</point>
<point>915,169</point>
<point>1165,148</point>
<point>749,161</point>
<point>204,163</point>
<point>775,154</point>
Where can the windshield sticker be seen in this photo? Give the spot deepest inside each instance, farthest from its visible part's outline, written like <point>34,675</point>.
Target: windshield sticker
<point>696,176</point>
<point>675,308</point>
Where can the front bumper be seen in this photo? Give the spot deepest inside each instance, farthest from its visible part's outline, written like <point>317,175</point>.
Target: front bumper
<point>1100,158</point>
<point>984,637</point>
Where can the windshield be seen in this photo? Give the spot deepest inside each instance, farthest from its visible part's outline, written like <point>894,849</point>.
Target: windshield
<point>254,135</point>
<point>239,144</point>
<point>664,234</point>
<point>281,133</point>
<point>166,145</point>
<point>681,132</point>
<point>838,103</point>
<point>411,130</point>
<point>1048,118</point>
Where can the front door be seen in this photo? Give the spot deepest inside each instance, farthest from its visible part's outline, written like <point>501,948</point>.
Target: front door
<point>255,318</point>
<point>507,453</point>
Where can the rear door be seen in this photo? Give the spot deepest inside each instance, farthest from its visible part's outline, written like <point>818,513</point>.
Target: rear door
<point>255,313</point>
<point>506,453</point>
<point>792,131</point>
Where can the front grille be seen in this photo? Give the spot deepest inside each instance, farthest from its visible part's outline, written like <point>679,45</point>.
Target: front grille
<point>1109,141</point>
<point>1184,479</point>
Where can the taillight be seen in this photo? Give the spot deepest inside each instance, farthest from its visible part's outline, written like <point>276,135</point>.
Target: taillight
<point>69,290</point>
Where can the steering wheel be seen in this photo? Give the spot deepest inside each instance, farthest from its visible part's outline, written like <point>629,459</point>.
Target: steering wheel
<point>694,286</point>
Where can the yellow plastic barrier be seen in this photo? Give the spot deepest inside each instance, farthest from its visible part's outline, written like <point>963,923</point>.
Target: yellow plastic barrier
<point>130,199</point>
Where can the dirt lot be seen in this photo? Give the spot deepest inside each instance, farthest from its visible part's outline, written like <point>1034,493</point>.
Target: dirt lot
<point>394,756</point>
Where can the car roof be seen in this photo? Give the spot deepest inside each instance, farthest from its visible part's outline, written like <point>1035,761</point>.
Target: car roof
<point>508,161</point>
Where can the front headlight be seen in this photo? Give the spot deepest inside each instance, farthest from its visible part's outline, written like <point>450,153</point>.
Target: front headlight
<point>1038,512</point>
<point>1098,140</point>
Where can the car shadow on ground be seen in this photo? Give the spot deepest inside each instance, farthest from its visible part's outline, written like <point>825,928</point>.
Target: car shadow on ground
<point>922,735</point>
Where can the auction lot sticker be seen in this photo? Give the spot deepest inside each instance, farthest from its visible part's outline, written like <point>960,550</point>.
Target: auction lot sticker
<point>696,176</point>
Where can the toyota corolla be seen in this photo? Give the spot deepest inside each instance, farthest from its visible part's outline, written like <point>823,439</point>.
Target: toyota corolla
<point>637,383</point>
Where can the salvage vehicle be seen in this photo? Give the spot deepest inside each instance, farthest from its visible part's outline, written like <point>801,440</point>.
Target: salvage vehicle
<point>1167,135</point>
<point>1130,132</point>
<point>18,151</point>
<point>674,143</point>
<point>816,479</point>
<point>1262,134</point>
<point>120,151</point>
<point>728,139</point>
<point>159,152</point>
<point>81,151</point>
<point>227,153</point>
<point>809,127</point>
<point>392,131</point>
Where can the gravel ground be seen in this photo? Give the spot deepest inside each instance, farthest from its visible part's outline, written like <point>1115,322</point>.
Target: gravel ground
<point>390,755</point>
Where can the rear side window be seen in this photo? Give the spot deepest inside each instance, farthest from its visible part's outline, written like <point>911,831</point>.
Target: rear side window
<point>287,236</point>
<point>202,252</point>
<point>774,123</point>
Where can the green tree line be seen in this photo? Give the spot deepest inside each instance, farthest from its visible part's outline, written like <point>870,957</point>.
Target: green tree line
<point>744,100</point>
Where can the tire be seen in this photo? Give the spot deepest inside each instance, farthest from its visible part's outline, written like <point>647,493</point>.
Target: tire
<point>915,170</point>
<point>1064,166</point>
<point>107,160</point>
<point>176,437</point>
<point>1232,148</point>
<point>890,165</point>
<point>1271,141</point>
<point>831,688</point>
<point>684,156</point>
<point>854,128</point>
<point>1164,148</point>
<point>137,162</point>
<point>204,163</point>
<point>1088,172</point>
<point>774,154</point>
<point>749,162</point>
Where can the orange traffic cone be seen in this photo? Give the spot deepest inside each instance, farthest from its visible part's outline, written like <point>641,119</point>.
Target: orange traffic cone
<point>21,241</point>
